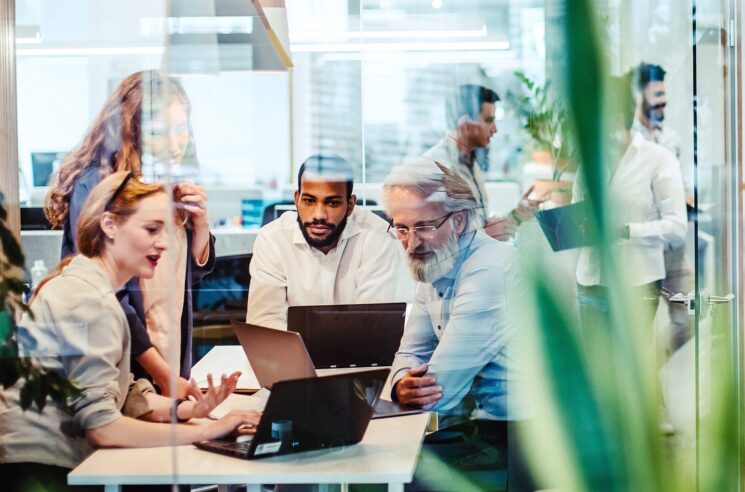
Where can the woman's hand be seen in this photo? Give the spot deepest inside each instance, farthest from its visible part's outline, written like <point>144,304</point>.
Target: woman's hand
<point>183,389</point>
<point>240,421</point>
<point>193,199</point>
<point>207,401</point>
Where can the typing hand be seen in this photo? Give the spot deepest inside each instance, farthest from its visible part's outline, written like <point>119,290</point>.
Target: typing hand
<point>207,401</point>
<point>417,389</point>
<point>240,421</point>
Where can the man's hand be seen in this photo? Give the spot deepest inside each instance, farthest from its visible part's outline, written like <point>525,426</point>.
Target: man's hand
<point>417,389</point>
<point>501,228</point>
<point>527,207</point>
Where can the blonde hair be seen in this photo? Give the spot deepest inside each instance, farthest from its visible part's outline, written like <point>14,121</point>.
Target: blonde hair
<point>114,140</point>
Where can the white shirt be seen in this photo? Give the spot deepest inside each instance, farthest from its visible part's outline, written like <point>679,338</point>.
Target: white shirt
<point>366,265</point>
<point>447,153</point>
<point>666,137</point>
<point>646,193</point>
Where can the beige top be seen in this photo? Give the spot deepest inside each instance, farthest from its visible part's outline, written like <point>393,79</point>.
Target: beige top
<point>163,295</point>
<point>80,330</point>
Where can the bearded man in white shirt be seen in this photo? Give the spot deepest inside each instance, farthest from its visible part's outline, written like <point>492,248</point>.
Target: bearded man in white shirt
<point>650,116</point>
<point>329,252</point>
<point>645,192</point>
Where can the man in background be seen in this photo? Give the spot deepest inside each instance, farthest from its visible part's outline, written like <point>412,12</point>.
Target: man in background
<point>471,116</point>
<point>649,123</point>
<point>329,252</point>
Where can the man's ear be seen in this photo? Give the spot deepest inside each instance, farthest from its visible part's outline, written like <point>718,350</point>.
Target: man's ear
<point>351,204</point>
<point>109,225</point>
<point>459,221</point>
<point>297,198</point>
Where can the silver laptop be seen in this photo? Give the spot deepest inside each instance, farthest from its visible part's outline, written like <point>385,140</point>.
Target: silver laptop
<point>278,355</point>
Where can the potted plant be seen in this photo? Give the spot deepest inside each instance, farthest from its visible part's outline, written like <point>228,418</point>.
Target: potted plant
<point>546,121</point>
<point>38,381</point>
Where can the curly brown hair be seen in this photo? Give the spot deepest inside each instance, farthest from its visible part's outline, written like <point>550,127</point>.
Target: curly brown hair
<point>114,140</point>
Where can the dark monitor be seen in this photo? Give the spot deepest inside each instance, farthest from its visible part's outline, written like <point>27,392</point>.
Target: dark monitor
<point>43,164</point>
<point>349,335</point>
<point>33,219</point>
<point>226,287</point>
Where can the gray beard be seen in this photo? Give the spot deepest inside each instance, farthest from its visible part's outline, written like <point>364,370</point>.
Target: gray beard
<point>434,268</point>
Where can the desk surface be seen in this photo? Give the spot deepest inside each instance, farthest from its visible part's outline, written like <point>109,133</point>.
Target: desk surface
<point>224,359</point>
<point>387,454</point>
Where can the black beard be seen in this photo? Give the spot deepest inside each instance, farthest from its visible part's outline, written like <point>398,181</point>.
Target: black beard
<point>336,230</point>
<point>651,113</point>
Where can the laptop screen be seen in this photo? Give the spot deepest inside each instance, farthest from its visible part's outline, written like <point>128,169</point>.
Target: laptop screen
<point>349,335</point>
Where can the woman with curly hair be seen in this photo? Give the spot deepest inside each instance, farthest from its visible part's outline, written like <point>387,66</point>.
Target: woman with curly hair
<point>146,116</point>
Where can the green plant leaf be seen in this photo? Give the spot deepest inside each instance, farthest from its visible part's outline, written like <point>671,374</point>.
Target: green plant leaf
<point>27,394</point>
<point>9,373</point>
<point>11,248</point>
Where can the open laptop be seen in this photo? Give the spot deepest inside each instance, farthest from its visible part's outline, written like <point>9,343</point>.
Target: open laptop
<point>308,414</point>
<point>278,355</point>
<point>349,335</point>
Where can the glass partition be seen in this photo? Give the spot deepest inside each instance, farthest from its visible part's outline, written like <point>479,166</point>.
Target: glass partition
<point>231,99</point>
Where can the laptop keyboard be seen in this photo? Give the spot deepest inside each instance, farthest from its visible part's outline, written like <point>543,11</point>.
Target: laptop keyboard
<point>231,448</point>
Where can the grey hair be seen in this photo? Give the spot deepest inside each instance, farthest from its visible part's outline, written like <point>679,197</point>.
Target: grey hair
<point>436,183</point>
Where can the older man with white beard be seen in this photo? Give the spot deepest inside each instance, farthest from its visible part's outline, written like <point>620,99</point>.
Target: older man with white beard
<point>455,355</point>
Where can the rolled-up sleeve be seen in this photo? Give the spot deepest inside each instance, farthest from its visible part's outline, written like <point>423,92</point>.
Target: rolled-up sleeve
<point>669,197</point>
<point>267,294</point>
<point>418,342</point>
<point>96,346</point>
<point>475,333</point>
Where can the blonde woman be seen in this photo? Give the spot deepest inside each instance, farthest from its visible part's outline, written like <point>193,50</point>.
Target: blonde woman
<point>82,332</point>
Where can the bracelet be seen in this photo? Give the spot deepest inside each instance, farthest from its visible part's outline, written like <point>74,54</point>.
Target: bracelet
<point>514,216</point>
<point>174,409</point>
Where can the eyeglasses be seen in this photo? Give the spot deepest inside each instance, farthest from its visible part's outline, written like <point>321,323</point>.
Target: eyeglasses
<point>118,191</point>
<point>424,231</point>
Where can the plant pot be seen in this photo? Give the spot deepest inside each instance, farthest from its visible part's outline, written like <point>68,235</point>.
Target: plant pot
<point>542,157</point>
<point>559,192</point>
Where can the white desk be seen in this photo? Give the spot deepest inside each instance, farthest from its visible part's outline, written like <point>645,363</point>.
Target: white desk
<point>224,359</point>
<point>387,454</point>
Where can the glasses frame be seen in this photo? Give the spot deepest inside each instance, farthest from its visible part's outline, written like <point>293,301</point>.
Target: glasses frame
<point>419,229</point>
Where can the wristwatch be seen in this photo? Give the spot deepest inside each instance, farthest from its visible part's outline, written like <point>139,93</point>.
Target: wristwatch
<point>513,214</point>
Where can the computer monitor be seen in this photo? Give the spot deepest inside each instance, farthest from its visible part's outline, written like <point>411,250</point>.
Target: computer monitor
<point>226,287</point>
<point>43,164</point>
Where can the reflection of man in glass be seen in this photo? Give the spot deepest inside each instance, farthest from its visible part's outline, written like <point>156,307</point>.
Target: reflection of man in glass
<point>329,252</point>
<point>650,116</point>
<point>647,210</point>
<point>471,117</point>
<point>456,353</point>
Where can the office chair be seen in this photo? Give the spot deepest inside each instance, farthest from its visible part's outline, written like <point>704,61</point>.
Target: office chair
<point>269,211</point>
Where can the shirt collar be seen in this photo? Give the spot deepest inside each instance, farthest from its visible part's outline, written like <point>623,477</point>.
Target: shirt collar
<point>352,229</point>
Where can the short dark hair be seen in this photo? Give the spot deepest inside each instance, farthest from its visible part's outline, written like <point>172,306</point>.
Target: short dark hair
<point>467,101</point>
<point>648,72</point>
<point>332,166</point>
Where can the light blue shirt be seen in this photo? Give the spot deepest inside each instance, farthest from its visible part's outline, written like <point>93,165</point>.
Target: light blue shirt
<point>459,326</point>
